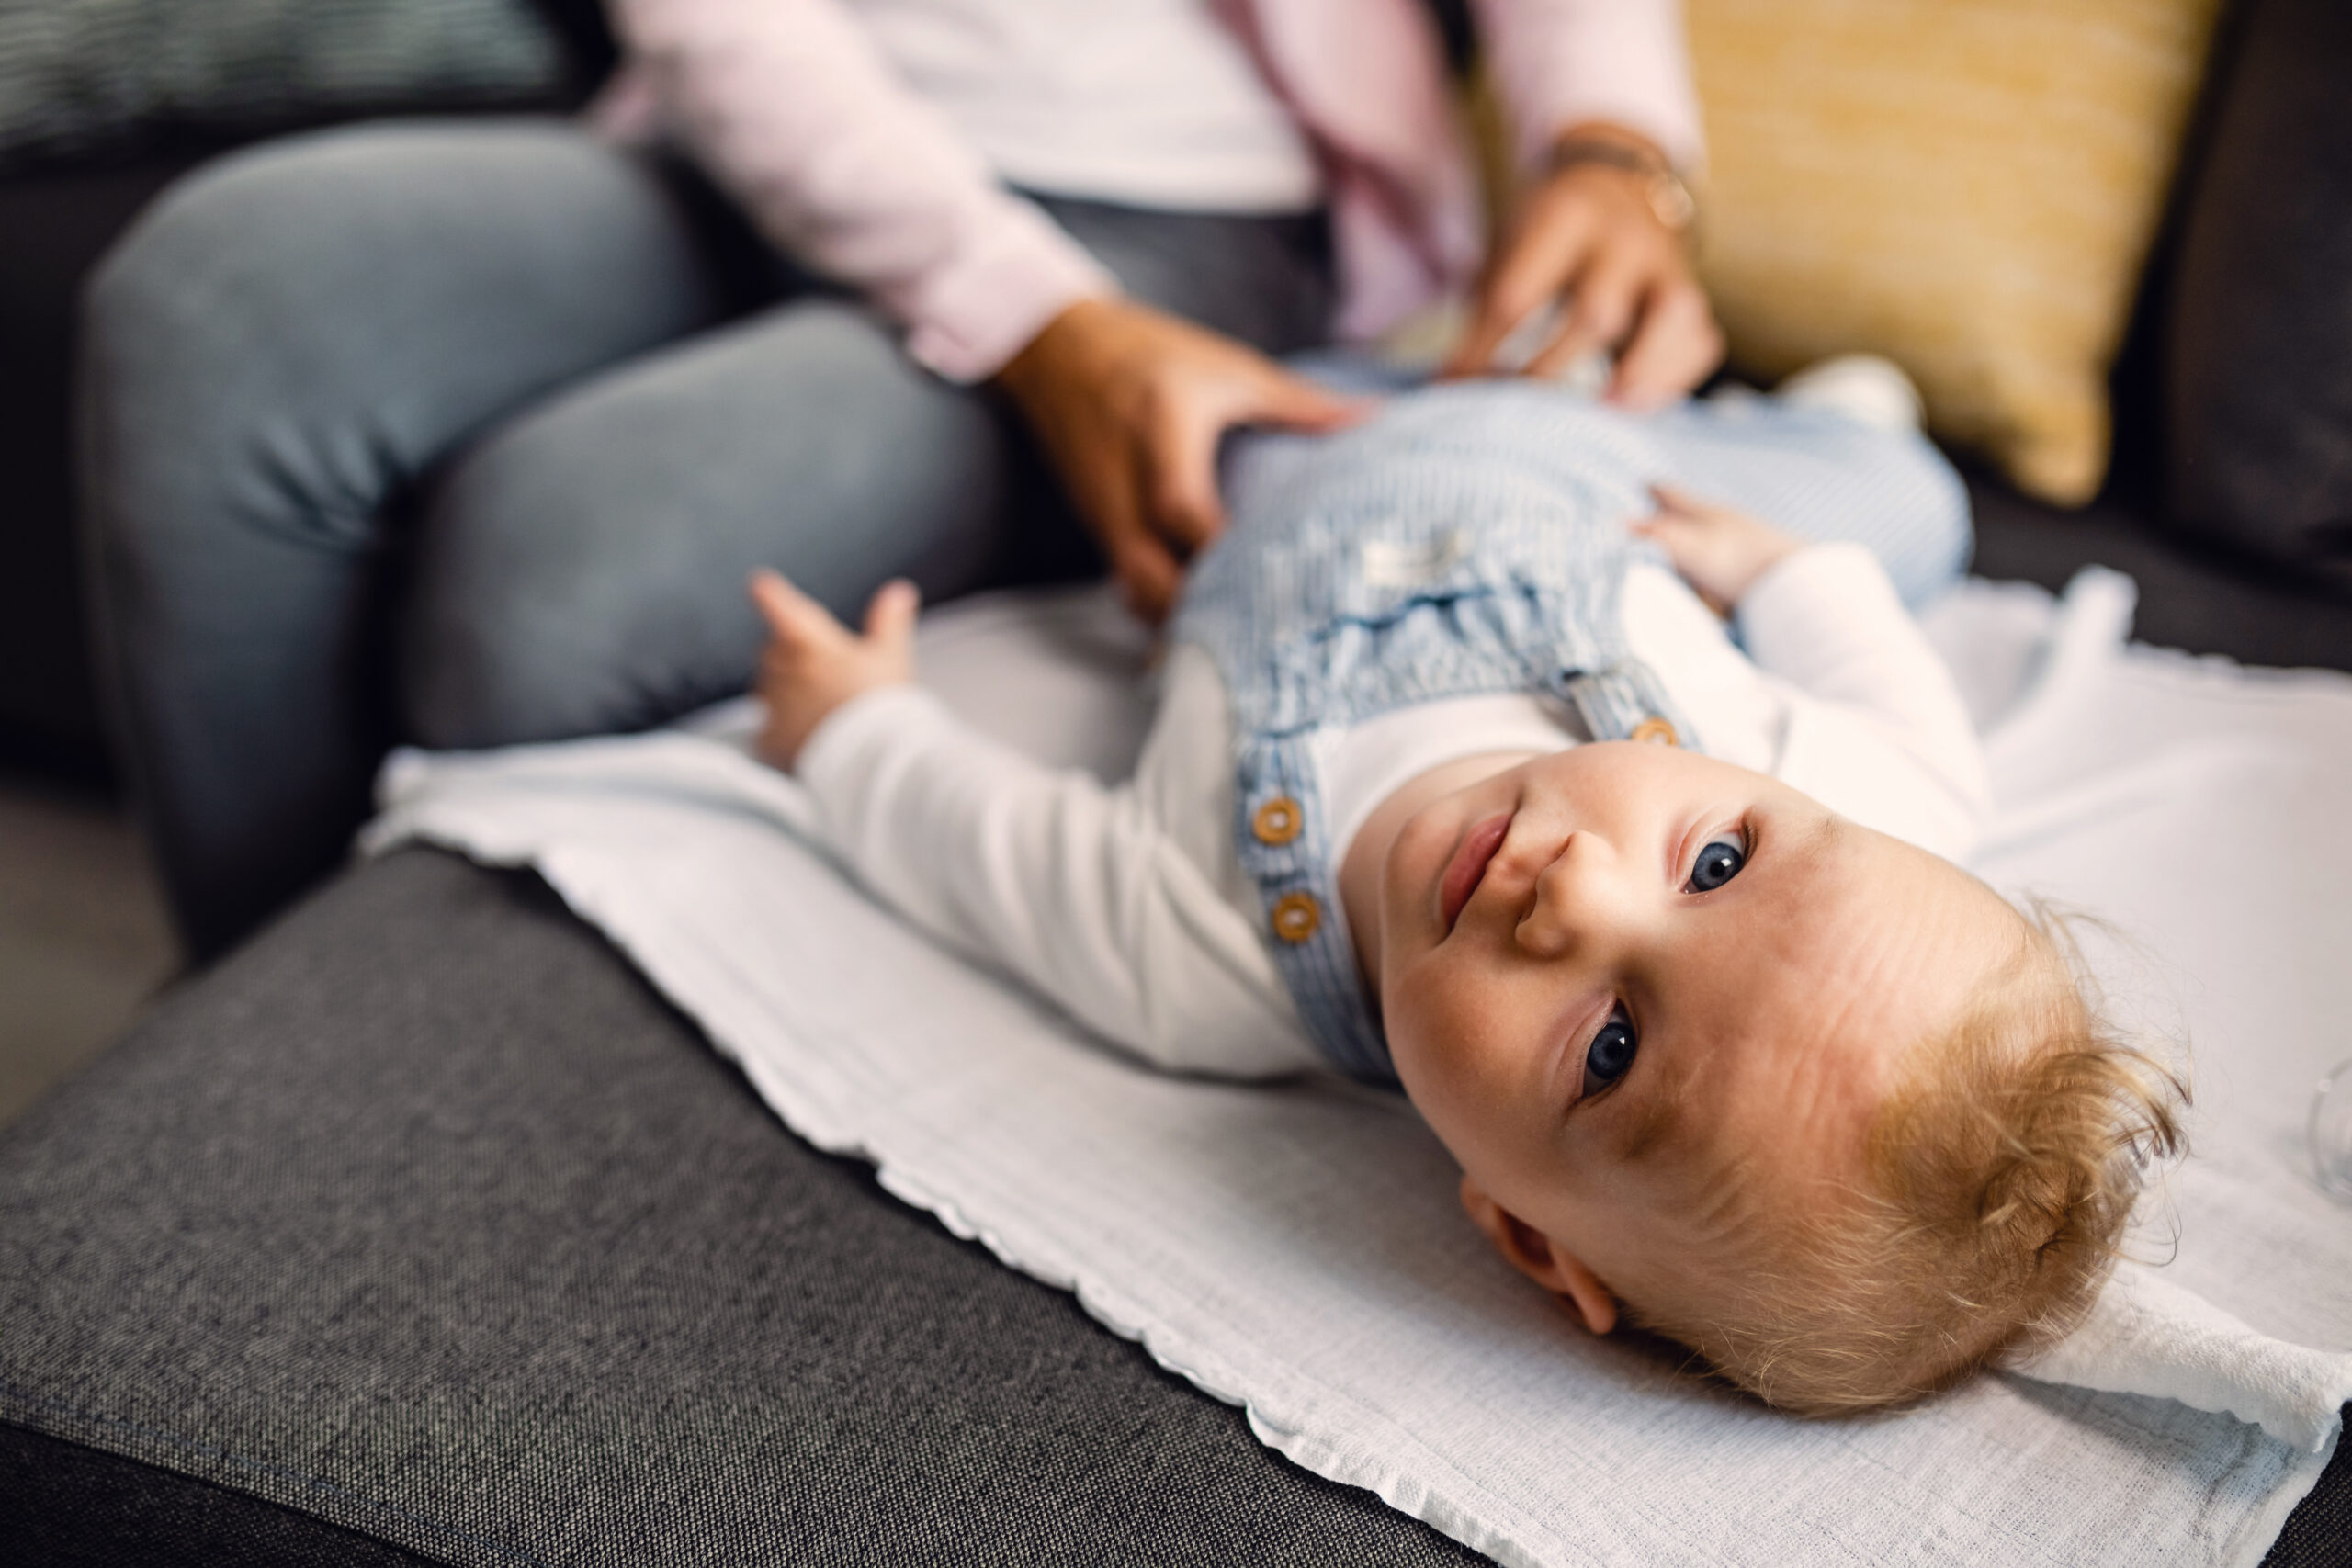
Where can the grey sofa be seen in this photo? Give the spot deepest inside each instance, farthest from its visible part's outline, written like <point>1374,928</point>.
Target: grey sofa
<point>421,1231</point>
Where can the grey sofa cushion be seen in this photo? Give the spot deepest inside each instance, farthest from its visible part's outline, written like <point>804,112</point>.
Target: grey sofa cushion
<point>2193,594</point>
<point>84,76</point>
<point>421,1216</point>
<point>2259,385</point>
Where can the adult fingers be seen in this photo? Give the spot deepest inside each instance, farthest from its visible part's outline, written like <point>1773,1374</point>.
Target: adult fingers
<point>1100,475</point>
<point>1294,402</point>
<point>1148,577</point>
<point>1180,452</point>
<point>1111,494</point>
<point>1676,346</point>
<point>1180,478</point>
<point>1535,265</point>
<point>1601,310</point>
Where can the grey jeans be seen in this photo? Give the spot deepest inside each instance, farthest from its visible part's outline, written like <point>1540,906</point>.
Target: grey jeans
<point>467,434</point>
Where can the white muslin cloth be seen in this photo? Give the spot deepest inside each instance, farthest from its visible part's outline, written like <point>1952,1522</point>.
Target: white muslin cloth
<point>1296,1249</point>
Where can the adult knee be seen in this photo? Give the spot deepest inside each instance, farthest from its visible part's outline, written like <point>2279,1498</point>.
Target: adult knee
<point>503,636</point>
<point>166,318</point>
<point>245,243</point>
<point>301,327</point>
<point>583,568</point>
<point>256,257</point>
<point>209,335</point>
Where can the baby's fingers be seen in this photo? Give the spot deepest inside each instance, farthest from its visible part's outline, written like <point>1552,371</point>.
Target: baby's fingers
<point>1674,503</point>
<point>1669,527</point>
<point>792,616</point>
<point>891,613</point>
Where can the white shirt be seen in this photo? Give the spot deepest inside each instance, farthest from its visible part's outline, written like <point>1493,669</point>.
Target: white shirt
<point>1126,906</point>
<point>1151,102</point>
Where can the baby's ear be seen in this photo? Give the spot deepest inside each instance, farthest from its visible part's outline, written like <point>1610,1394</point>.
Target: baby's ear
<point>1540,1258</point>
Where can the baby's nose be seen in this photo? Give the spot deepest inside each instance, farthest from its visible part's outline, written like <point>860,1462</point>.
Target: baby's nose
<point>1578,903</point>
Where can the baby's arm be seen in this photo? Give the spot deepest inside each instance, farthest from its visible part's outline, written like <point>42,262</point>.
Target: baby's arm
<point>1887,728</point>
<point>1070,885</point>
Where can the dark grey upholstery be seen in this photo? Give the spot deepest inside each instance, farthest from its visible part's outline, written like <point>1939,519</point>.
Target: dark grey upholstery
<point>53,228</point>
<point>424,1218</point>
<point>102,76</point>
<point>2260,389</point>
<point>2193,594</point>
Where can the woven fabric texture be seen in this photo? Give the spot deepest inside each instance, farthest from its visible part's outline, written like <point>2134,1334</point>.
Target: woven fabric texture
<point>423,1217</point>
<point>79,77</point>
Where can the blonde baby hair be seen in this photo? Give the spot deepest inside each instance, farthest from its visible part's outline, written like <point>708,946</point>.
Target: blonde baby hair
<point>2000,1179</point>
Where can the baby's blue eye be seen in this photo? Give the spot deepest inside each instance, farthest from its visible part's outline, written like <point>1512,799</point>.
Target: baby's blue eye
<point>1611,1052</point>
<point>1717,863</point>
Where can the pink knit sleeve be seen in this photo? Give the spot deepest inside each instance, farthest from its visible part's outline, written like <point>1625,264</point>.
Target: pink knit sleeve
<point>789,107</point>
<point>1561,63</point>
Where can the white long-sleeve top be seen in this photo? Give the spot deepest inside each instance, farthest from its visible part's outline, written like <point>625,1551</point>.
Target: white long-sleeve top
<point>1151,102</point>
<point>1125,904</point>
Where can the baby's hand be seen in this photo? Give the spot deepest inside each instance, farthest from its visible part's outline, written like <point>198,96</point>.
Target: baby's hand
<point>1719,552</point>
<point>814,663</point>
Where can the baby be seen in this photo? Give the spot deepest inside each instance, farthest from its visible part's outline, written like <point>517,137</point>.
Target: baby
<point>1460,781</point>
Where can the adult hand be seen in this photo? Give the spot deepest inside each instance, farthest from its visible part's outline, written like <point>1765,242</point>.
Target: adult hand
<point>1590,237</point>
<point>1129,403</point>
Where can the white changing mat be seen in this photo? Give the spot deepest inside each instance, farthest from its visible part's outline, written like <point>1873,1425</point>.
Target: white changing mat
<point>1298,1249</point>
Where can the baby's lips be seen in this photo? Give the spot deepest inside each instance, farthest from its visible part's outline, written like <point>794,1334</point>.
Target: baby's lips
<point>1468,866</point>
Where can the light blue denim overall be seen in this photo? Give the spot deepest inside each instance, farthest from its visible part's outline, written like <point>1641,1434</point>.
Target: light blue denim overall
<point>1470,539</point>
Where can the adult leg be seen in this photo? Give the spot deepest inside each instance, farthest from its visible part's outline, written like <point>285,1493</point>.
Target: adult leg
<point>271,357</point>
<point>581,569</point>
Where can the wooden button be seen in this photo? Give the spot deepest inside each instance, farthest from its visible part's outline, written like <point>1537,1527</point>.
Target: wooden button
<point>1278,821</point>
<point>1297,916</point>
<point>1657,729</point>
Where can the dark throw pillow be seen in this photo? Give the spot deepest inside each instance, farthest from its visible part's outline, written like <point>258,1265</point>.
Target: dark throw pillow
<point>2259,395</point>
<point>85,77</point>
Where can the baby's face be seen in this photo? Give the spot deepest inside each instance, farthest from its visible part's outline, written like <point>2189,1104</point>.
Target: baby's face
<point>1619,978</point>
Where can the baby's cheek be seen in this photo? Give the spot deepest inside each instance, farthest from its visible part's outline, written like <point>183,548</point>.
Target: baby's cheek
<point>1404,1019</point>
<point>1433,1041</point>
<point>1415,858</point>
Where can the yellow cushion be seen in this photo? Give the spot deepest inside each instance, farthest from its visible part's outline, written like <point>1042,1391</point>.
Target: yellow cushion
<point>1967,187</point>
